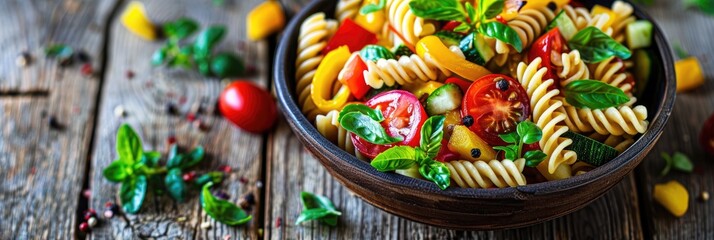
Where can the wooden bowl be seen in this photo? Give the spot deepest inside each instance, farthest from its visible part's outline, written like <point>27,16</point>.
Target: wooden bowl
<point>473,209</point>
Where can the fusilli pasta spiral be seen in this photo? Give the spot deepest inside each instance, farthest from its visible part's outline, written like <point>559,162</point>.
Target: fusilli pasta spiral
<point>623,12</point>
<point>347,9</point>
<point>529,24</point>
<point>411,27</point>
<point>611,72</point>
<point>314,33</point>
<point>329,126</point>
<point>571,67</point>
<point>610,121</point>
<point>583,18</point>
<point>403,71</point>
<point>501,174</point>
<point>545,104</point>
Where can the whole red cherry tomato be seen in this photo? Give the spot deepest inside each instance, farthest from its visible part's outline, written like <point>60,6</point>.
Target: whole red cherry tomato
<point>248,106</point>
<point>544,47</point>
<point>497,103</point>
<point>403,117</point>
<point>706,137</point>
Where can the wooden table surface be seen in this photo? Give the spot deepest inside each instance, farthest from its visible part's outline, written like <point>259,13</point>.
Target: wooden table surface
<point>44,171</point>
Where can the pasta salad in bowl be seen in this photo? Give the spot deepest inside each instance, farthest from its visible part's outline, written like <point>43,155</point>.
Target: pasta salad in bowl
<point>476,114</point>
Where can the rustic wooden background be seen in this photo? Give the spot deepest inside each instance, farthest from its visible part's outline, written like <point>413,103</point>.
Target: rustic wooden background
<point>44,171</point>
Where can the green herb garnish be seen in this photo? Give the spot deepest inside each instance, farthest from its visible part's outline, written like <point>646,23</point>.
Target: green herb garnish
<point>678,161</point>
<point>526,133</point>
<point>594,94</point>
<point>318,208</point>
<point>706,6</point>
<point>222,210</point>
<point>364,122</point>
<point>370,8</point>
<point>595,46</point>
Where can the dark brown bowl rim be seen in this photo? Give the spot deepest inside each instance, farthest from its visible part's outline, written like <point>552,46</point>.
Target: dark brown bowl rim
<point>625,160</point>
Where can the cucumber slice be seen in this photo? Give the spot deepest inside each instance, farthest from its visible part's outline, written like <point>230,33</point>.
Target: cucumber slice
<point>564,24</point>
<point>443,99</point>
<point>375,52</point>
<point>476,49</point>
<point>643,69</point>
<point>449,38</point>
<point>639,34</point>
<point>402,50</point>
<point>590,150</point>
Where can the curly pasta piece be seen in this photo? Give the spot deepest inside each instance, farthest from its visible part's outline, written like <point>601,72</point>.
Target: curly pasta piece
<point>329,126</point>
<point>347,9</point>
<point>620,121</point>
<point>612,72</point>
<point>411,27</point>
<point>479,174</point>
<point>623,12</point>
<point>403,71</point>
<point>529,24</point>
<point>582,19</point>
<point>314,33</point>
<point>571,67</point>
<point>545,104</point>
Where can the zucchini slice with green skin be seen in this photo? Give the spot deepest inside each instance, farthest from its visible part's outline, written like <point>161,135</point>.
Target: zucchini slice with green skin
<point>449,38</point>
<point>476,49</point>
<point>590,150</point>
<point>402,50</point>
<point>639,34</point>
<point>443,99</point>
<point>375,52</point>
<point>643,70</point>
<point>564,24</point>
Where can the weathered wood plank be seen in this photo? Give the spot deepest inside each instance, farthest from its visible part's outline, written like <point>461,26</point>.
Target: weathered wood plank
<point>292,169</point>
<point>39,165</point>
<point>145,97</point>
<point>694,31</point>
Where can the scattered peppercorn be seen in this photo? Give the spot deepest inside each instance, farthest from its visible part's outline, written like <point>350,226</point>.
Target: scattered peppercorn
<point>84,227</point>
<point>475,153</point>
<point>66,61</point>
<point>191,117</point>
<point>502,84</point>
<point>221,194</point>
<point>243,180</point>
<point>171,109</point>
<point>87,193</point>
<point>225,169</point>
<point>82,56</point>
<point>119,111</point>
<point>23,59</point>
<point>54,124</point>
<point>92,222</point>
<point>552,6</point>
<point>246,201</point>
<point>171,140</point>
<point>129,74</point>
<point>108,213</point>
<point>704,196</point>
<point>87,69</point>
<point>467,121</point>
<point>278,222</point>
<point>189,176</point>
<point>90,213</point>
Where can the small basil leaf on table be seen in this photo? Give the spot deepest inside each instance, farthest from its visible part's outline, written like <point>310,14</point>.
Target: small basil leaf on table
<point>535,157</point>
<point>667,164</point>
<point>594,94</point>
<point>488,9</point>
<point>175,159</point>
<point>128,144</point>
<point>175,185</point>
<point>510,152</point>
<point>221,210</point>
<point>370,8</point>
<point>376,115</point>
<point>317,207</point>
<point>502,32</point>
<point>367,128</point>
<point>214,177</point>
<point>225,65</point>
<point>59,51</point>
<point>432,132</point>
<point>195,157</point>
<point>132,193</point>
<point>310,201</point>
<point>159,56</point>
<point>444,10</point>
<point>396,158</point>
<point>180,29</point>
<point>436,172</point>
<point>207,40</point>
<point>118,171</point>
<point>595,46</point>
<point>529,132</point>
<point>682,163</point>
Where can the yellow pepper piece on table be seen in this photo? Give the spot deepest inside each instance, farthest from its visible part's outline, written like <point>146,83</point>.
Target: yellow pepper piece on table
<point>265,19</point>
<point>373,22</point>
<point>326,77</point>
<point>673,196</point>
<point>689,74</point>
<point>135,20</point>
<point>441,54</point>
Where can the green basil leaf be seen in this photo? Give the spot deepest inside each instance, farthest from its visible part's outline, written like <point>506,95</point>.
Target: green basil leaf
<point>401,50</point>
<point>432,132</point>
<point>175,159</point>
<point>325,216</point>
<point>396,158</point>
<point>194,157</point>
<point>175,184</point>
<point>490,9</point>
<point>436,172</point>
<point>682,163</point>
<point>207,40</point>
<point>667,164</point>
<point>511,151</point>
<point>221,210</point>
<point>510,137</point>
<point>118,171</point>
<point>310,201</point>
<point>376,115</point>
<point>535,157</point>
<point>593,94</point>
<point>132,193</point>
<point>151,159</point>
<point>61,51</point>
<point>471,11</point>
<point>529,132</point>
<point>370,8</point>
<point>226,65</point>
<point>705,6</point>
<point>463,28</point>
<point>180,29</point>
<point>128,144</point>
<point>215,177</point>
<point>159,56</point>
<point>595,46</point>
<point>442,10</point>
<point>502,32</point>
<point>367,128</point>
<point>375,52</point>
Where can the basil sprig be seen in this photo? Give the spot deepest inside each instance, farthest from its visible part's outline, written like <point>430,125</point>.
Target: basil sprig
<point>678,161</point>
<point>595,46</point>
<point>318,208</point>
<point>222,210</point>
<point>526,133</point>
<point>364,122</point>
<point>594,94</point>
<point>404,157</point>
<point>442,10</point>
<point>370,8</point>
<point>502,32</point>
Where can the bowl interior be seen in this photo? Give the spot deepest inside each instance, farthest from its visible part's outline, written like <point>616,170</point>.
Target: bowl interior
<point>658,97</point>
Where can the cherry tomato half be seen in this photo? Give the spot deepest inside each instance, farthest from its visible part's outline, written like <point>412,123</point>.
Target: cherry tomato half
<point>248,106</point>
<point>497,104</point>
<point>403,116</point>
<point>545,47</point>
<point>706,137</point>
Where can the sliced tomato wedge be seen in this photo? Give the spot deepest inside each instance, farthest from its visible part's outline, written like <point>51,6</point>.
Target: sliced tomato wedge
<point>403,116</point>
<point>549,45</point>
<point>497,103</point>
<point>354,77</point>
<point>706,137</point>
<point>352,35</point>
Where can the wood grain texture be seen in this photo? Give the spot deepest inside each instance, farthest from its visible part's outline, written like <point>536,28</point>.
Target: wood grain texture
<point>292,169</point>
<point>693,31</point>
<point>41,168</point>
<point>145,98</point>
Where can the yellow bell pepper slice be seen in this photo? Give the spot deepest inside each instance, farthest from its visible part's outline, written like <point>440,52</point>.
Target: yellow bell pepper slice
<point>599,9</point>
<point>135,20</point>
<point>441,54</point>
<point>373,22</point>
<point>689,74</point>
<point>673,196</point>
<point>420,89</point>
<point>265,19</point>
<point>534,4</point>
<point>325,78</point>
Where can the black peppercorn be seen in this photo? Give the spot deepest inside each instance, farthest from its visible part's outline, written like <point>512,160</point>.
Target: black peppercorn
<point>475,153</point>
<point>171,109</point>
<point>502,84</point>
<point>467,121</point>
<point>82,56</point>
<point>54,123</point>
<point>552,6</point>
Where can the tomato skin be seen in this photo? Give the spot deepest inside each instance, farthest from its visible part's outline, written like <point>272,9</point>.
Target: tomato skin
<point>463,84</point>
<point>354,77</point>
<point>248,106</point>
<point>450,26</point>
<point>403,116</point>
<point>706,136</point>
<point>495,111</point>
<point>352,35</point>
<point>544,47</point>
